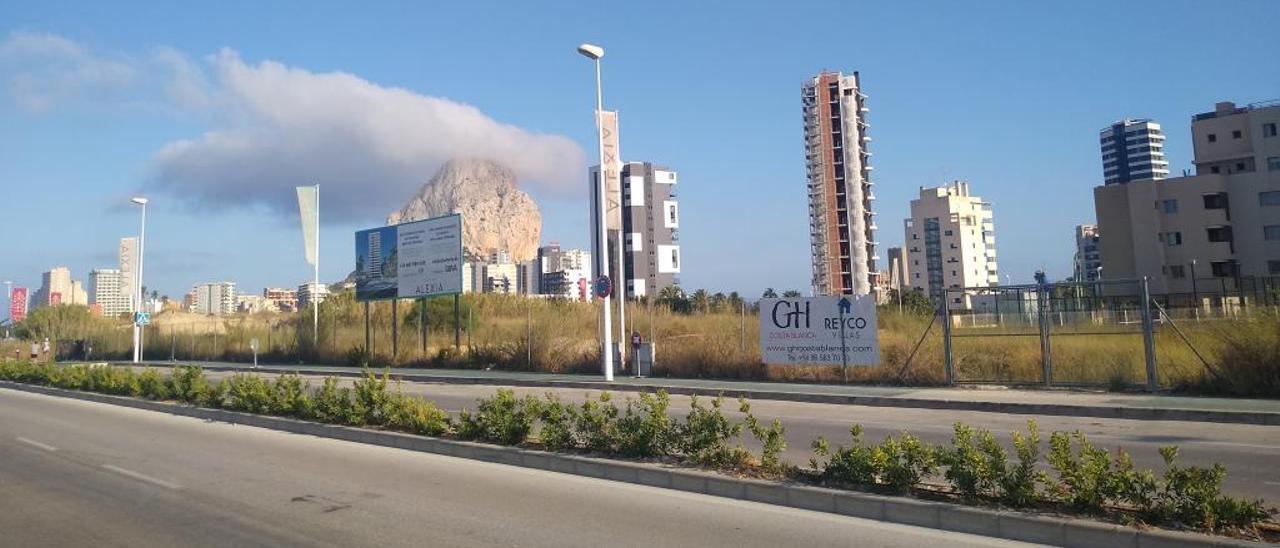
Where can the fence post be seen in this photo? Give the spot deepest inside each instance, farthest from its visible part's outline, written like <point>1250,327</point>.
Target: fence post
<point>395,330</point>
<point>1148,337</point>
<point>1046,351</point>
<point>945,312</point>
<point>368,342</point>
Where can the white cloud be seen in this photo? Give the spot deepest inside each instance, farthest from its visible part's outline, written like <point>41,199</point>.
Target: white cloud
<point>42,70</point>
<point>274,127</point>
<point>366,145</point>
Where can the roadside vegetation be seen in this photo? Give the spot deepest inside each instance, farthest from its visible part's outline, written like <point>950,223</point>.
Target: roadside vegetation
<point>1069,474</point>
<point>697,335</point>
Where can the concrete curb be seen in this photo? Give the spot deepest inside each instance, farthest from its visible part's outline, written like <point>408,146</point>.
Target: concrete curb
<point>935,515</point>
<point>1016,408</point>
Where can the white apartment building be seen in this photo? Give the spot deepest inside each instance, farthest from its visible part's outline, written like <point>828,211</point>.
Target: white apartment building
<point>950,241</point>
<point>108,293</point>
<point>1132,150</point>
<point>837,162</point>
<point>214,298</point>
<point>57,287</point>
<point>312,293</point>
<point>1222,223</point>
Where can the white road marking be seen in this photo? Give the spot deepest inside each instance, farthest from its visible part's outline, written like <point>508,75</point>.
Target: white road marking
<point>141,477</point>
<point>35,443</point>
<point>1272,482</point>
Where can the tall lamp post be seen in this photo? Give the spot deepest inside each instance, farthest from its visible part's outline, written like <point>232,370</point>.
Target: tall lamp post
<point>137,282</point>
<point>1195,291</point>
<point>594,53</point>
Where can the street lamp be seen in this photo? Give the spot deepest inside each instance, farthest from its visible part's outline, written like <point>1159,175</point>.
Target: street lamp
<point>1195,292</point>
<point>137,282</point>
<point>594,53</point>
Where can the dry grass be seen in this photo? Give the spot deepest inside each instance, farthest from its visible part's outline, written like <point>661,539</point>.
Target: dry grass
<point>554,336</point>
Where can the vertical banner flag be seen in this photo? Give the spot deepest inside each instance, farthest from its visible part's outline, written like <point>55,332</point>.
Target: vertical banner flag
<point>17,304</point>
<point>307,209</point>
<point>611,170</point>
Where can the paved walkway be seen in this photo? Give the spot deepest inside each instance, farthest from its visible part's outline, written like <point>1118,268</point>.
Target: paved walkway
<point>993,399</point>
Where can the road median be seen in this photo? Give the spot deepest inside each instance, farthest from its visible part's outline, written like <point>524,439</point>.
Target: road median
<point>948,516</point>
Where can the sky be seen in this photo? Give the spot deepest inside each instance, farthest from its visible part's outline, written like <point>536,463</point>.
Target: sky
<point>216,111</point>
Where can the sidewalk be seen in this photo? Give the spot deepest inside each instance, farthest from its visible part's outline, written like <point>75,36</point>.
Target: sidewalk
<point>989,399</point>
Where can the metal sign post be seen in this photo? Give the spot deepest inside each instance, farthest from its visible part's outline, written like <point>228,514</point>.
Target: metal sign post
<point>253,345</point>
<point>844,345</point>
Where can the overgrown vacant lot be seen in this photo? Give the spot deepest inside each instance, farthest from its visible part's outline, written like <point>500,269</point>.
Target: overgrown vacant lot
<point>718,338</point>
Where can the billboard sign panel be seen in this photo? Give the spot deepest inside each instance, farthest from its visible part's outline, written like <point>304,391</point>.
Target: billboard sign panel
<point>611,170</point>
<point>410,260</point>
<point>808,331</point>
<point>17,304</point>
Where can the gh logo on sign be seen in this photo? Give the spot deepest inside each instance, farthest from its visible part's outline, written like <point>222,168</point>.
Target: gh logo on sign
<point>791,315</point>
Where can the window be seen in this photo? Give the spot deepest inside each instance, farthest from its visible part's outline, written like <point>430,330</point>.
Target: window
<point>1273,163</point>
<point>1170,206</point>
<point>1222,269</point>
<point>1171,238</point>
<point>1213,138</point>
<point>946,233</point>
<point>1176,271</point>
<point>915,236</point>
<point>1236,134</point>
<point>1239,166</point>
<point>1215,201</point>
<point>1269,198</point>
<point>1222,233</point>
<point>1273,267</point>
<point>1271,233</point>
<point>1215,169</point>
<point>1269,130</point>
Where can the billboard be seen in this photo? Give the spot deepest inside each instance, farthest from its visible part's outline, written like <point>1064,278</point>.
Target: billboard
<point>808,331</point>
<point>17,304</point>
<point>410,260</point>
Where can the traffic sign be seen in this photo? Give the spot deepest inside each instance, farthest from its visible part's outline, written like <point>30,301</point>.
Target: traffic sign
<point>603,286</point>
<point>142,318</point>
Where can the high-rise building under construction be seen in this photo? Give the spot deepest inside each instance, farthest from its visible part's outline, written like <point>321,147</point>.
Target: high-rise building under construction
<point>841,220</point>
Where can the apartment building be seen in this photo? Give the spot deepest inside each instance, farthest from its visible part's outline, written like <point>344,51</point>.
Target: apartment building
<point>564,273</point>
<point>310,293</point>
<point>950,241</point>
<point>650,228</point>
<point>841,220</point>
<point>898,271</point>
<point>283,300</point>
<point>107,292</point>
<point>1132,150</point>
<point>57,287</point>
<point>1223,222</point>
<point>213,298</point>
<point>1087,262</point>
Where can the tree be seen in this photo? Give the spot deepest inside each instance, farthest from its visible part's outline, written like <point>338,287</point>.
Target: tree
<point>769,293</point>
<point>913,302</point>
<point>791,294</point>
<point>673,298</point>
<point>701,301</point>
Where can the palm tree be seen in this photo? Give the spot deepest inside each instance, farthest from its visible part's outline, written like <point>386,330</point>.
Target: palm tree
<point>791,294</point>
<point>701,301</point>
<point>769,293</point>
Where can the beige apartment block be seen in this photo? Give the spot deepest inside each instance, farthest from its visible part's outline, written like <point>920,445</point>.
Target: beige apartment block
<point>950,243</point>
<point>1219,225</point>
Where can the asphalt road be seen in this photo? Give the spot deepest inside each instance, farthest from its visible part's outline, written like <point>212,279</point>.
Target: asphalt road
<point>76,473</point>
<point>1251,453</point>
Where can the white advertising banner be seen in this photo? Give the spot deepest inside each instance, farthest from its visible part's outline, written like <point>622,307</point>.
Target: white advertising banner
<point>611,170</point>
<point>429,257</point>
<point>808,331</point>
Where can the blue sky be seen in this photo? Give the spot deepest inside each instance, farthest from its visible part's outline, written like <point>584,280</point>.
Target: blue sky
<point>205,108</point>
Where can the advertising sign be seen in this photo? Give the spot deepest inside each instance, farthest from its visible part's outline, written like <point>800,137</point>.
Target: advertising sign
<point>611,170</point>
<point>820,330</point>
<point>17,304</point>
<point>410,260</point>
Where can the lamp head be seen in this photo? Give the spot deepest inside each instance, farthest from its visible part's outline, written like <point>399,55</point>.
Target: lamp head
<point>592,51</point>
<point>139,200</point>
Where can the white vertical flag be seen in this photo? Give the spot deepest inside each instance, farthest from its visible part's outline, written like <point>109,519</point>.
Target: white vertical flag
<point>612,169</point>
<point>309,211</point>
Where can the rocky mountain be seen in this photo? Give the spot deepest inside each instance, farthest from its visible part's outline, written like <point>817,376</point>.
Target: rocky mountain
<point>495,214</point>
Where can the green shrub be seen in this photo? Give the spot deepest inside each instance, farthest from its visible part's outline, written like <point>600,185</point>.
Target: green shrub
<point>1084,476</point>
<point>189,384</point>
<point>852,465</point>
<point>152,385</point>
<point>974,462</point>
<point>707,436</point>
<point>332,404</point>
<point>903,461</point>
<point>371,399</point>
<point>1192,496</point>
<point>645,430</point>
<point>772,438</point>
<point>249,393</point>
<point>1018,484</point>
<point>502,418</point>
<point>556,424</point>
<point>291,396</point>
<point>416,416</point>
<point>595,424</point>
